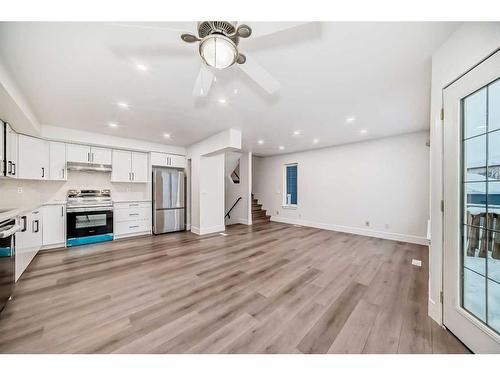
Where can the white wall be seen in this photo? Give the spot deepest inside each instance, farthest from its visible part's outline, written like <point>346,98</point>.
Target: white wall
<point>466,47</point>
<point>207,180</point>
<point>382,181</point>
<point>241,213</point>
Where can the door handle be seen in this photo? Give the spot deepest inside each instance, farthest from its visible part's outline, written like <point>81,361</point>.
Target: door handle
<point>24,219</point>
<point>37,222</point>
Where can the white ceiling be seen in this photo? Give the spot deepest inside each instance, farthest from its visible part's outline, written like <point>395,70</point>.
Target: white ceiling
<point>73,75</point>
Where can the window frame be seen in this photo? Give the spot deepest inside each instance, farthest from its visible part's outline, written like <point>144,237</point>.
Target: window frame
<point>284,204</point>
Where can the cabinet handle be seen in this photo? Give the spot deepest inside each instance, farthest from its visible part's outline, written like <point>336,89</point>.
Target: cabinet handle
<point>133,226</point>
<point>25,224</point>
<point>92,157</point>
<point>62,211</point>
<point>13,169</point>
<point>37,226</point>
<point>133,214</point>
<point>133,176</point>
<point>9,171</point>
<point>63,173</point>
<point>133,205</point>
<point>43,172</point>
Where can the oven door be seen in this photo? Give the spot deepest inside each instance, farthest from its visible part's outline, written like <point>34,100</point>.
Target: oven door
<point>88,225</point>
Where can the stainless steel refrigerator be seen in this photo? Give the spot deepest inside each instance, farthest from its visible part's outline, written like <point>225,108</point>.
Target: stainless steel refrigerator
<point>169,210</point>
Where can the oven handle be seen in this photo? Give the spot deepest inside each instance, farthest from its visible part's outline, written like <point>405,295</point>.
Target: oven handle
<point>89,209</point>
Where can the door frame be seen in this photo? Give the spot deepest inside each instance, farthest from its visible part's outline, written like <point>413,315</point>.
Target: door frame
<point>476,335</point>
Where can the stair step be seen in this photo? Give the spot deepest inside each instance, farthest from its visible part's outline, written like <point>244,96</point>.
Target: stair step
<point>259,214</point>
<point>262,221</point>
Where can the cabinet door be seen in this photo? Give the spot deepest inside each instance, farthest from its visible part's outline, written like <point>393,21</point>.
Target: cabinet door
<point>28,240</point>
<point>53,224</point>
<point>159,159</point>
<point>57,161</point>
<point>32,158</point>
<point>139,167</point>
<point>122,162</point>
<point>11,152</point>
<point>100,155</point>
<point>177,161</point>
<point>77,153</point>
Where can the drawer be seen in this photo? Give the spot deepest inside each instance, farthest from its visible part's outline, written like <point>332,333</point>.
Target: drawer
<point>121,205</point>
<point>128,227</point>
<point>132,214</point>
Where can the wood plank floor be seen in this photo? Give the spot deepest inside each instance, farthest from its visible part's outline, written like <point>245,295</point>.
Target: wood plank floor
<point>267,288</point>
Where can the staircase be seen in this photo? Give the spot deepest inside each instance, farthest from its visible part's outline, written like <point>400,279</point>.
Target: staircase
<point>258,214</point>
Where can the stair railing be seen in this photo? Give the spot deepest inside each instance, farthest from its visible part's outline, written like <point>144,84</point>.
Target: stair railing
<point>228,212</point>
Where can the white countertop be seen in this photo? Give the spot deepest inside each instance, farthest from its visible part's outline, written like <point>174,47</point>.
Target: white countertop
<point>13,212</point>
<point>130,200</point>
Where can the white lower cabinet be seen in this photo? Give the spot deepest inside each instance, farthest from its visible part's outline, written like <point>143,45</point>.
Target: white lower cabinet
<point>28,240</point>
<point>54,225</point>
<point>131,219</point>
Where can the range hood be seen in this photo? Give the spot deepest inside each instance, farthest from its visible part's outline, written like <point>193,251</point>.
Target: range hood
<point>74,166</point>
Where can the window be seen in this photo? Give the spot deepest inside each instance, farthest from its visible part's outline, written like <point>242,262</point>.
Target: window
<point>290,188</point>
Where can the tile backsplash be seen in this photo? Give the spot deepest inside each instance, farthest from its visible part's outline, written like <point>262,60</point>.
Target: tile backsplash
<point>14,193</point>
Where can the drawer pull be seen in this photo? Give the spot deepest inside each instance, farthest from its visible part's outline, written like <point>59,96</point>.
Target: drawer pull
<point>134,205</point>
<point>133,214</point>
<point>133,226</point>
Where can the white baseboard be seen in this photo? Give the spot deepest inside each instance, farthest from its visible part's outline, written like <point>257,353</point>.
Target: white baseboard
<point>435,311</point>
<point>208,230</point>
<point>360,231</point>
<point>128,235</point>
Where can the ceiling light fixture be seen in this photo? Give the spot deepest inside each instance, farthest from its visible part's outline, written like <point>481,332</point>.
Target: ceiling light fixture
<point>350,119</point>
<point>218,51</point>
<point>141,67</point>
<point>260,142</point>
<point>235,91</point>
<point>282,147</point>
<point>363,131</point>
<point>315,140</point>
<point>222,101</point>
<point>113,124</point>
<point>167,135</point>
<point>123,105</point>
<point>296,132</point>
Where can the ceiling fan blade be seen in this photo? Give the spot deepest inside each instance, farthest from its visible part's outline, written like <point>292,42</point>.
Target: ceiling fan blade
<point>262,29</point>
<point>203,81</point>
<point>167,34</point>
<point>260,75</point>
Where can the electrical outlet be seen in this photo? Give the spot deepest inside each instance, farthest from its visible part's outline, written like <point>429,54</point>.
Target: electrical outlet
<point>20,190</point>
<point>367,223</point>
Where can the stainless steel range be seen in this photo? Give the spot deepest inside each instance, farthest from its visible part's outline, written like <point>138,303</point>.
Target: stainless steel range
<point>89,217</point>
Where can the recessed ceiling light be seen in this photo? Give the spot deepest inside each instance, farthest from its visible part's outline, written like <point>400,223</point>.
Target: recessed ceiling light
<point>235,91</point>
<point>113,124</point>
<point>315,140</point>
<point>222,101</point>
<point>167,135</point>
<point>141,67</point>
<point>296,132</point>
<point>282,147</point>
<point>260,142</point>
<point>350,119</point>
<point>215,79</point>
<point>123,105</point>
<point>363,131</point>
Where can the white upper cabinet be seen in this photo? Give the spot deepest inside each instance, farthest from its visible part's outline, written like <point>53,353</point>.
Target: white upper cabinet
<point>100,155</point>
<point>87,154</point>
<point>77,153</point>
<point>129,166</point>
<point>33,158</point>
<point>168,160</point>
<point>11,152</point>
<point>122,161</point>
<point>139,167</point>
<point>57,161</point>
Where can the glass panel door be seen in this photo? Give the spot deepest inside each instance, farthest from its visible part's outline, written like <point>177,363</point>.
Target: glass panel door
<point>480,266</point>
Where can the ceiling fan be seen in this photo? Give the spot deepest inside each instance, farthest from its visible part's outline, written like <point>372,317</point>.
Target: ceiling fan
<point>219,49</point>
